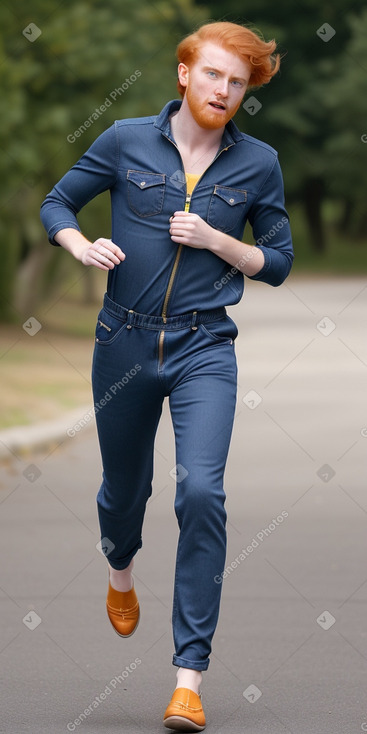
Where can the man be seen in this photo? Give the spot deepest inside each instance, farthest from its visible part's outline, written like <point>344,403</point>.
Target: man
<point>182,183</point>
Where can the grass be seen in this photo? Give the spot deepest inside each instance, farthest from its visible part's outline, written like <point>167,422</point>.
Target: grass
<point>49,373</point>
<point>43,375</point>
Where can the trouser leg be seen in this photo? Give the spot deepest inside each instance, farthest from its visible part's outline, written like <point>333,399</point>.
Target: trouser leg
<point>127,424</point>
<point>202,407</point>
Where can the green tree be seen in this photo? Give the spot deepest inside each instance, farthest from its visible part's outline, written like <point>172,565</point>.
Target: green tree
<point>58,67</point>
<point>346,102</point>
<point>296,107</point>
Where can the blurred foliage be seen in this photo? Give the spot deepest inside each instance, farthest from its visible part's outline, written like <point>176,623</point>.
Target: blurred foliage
<point>346,149</point>
<point>313,112</point>
<point>50,86</point>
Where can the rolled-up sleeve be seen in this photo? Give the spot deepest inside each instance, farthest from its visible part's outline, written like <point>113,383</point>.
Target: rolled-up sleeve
<point>271,229</point>
<point>95,171</point>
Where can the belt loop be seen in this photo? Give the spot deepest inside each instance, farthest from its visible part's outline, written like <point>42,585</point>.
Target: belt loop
<point>193,321</point>
<point>129,318</point>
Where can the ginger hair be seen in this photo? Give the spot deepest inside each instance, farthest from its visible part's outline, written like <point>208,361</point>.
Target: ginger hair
<point>237,39</point>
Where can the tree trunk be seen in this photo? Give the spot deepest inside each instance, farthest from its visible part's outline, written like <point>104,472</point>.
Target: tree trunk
<point>9,258</point>
<point>361,225</point>
<point>30,276</point>
<point>346,216</point>
<point>313,193</point>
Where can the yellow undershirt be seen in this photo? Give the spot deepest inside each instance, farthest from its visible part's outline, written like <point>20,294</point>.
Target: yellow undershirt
<point>191,181</point>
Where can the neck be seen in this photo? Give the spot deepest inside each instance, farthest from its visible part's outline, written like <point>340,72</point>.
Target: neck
<point>187,132</point>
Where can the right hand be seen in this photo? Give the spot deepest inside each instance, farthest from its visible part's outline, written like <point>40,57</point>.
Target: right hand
<point>103,254</point>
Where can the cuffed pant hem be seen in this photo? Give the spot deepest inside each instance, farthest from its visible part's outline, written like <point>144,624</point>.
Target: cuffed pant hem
<point>193,664</point>
<point>123,564</point>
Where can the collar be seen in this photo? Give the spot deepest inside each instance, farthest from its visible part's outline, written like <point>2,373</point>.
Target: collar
<point>231,132</point>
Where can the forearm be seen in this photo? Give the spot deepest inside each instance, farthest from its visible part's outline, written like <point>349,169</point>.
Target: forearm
<point>73,241</point>
<point>102,253</point>
<point>248,259</point>
<point>189,229</point>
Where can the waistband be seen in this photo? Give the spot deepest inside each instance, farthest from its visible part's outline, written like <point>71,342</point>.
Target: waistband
<point>159,322</point>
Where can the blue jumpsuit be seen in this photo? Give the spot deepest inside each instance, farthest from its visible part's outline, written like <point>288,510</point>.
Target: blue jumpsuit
<point>163,331</point>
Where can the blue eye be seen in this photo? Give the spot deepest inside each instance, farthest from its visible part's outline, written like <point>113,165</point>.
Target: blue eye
<point>212,72</point>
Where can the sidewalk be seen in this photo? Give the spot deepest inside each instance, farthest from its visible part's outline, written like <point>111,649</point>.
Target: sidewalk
<point>290,650</point>
<point>22,440</point>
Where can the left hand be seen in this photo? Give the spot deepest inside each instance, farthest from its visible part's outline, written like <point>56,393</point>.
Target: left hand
<point>189,229</point>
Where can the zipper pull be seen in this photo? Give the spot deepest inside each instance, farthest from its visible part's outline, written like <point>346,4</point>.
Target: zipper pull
<point>104,325</point>
<point>187,202</point>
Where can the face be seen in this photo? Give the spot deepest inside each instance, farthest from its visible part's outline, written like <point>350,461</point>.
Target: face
<point>215,85</point>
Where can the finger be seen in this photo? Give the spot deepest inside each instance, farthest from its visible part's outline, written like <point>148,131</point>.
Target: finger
<point>97,264</point>
<point>183,222</point>
<point>179,231</point>
<point>181,228</point>
<point>103,264</point>
<point>110,247</point>
<point>110,251</point>
<point>109,255</point>
<point>186,215</point>
<point>98,257</point>
<point>115,254</point>
<point>179,234</point>
<point>176,228</point>
<point>116,250</point>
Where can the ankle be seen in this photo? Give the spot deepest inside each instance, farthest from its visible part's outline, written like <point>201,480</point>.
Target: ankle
<point>121,579</point>
<point>189,678</point>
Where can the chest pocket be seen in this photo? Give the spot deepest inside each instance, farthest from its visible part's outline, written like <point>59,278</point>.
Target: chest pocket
<point>145,192</point>
<point>226,207</point>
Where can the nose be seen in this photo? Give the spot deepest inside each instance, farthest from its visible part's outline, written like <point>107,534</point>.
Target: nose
<point>222,88</point>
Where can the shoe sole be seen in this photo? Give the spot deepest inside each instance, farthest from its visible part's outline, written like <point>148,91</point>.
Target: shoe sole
<point>180,723</point>
<point>130,633</point>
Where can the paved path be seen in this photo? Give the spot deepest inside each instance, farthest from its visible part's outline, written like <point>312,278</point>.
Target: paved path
<point>290,651</point>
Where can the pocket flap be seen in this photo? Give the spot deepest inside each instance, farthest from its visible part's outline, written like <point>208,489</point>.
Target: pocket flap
<point>145,179</point>
<point>231,196</point>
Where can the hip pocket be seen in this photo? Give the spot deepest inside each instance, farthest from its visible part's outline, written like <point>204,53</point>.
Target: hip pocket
<point>223,331</point>
<point>108,328</point>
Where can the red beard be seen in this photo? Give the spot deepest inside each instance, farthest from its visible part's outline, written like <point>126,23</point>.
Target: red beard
<point>205,115</point>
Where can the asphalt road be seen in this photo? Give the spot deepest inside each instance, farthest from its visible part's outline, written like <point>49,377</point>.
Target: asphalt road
<point>290,650</point>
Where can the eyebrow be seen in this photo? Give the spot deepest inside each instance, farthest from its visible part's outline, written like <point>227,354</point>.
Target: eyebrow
<point>218,71</point>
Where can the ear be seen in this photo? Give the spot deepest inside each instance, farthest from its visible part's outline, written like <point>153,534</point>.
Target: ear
<point>183,74</point>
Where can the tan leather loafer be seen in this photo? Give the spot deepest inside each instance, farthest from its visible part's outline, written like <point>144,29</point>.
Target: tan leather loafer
<point>123,610</point>
<point>184,712</point>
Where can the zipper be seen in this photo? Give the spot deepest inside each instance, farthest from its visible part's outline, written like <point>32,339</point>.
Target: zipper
<point>175,265</point>
<point>169,287</point>
<point>104,325</point>
<point>177,258</point>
